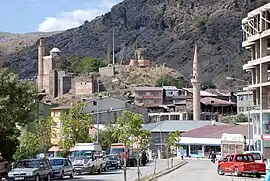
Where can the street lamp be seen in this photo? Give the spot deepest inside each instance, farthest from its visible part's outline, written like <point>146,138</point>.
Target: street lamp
<point>100,98</point>
<point>241,80</point>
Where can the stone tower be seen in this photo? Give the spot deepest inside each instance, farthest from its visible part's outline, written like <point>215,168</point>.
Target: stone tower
<point>196,83</point>
<point>41,52</point>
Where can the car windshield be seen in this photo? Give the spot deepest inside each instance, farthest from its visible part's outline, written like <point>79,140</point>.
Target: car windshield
<point>81,153</point>
<point>57,162</point>
<point>27,164</point>
<point>117,150</point>
<point>257,156</point>
<point>112,157</point>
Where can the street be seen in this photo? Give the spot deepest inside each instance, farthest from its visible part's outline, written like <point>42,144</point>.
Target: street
<point>131,172</point>
<point>202,170</point>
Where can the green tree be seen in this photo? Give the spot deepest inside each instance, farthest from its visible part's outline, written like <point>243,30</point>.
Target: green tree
<point>34,143</point>
<point>91,65</point>
<point>145,140</point>
<point>76,126</point>
<point>44,134</point>
<point>135,47</point>
<point>178,82</point>
<point>128,130</point>
<point>172,143</point>
<point>106,137</point>
<point>240,118</point>
<point>208,85</point>
<point>29,146</point>
<point>73,64</point>
<point>16,102</point>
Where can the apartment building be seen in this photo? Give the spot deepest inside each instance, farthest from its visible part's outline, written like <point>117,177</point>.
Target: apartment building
<point>149,96</point>
<point>256,38</point>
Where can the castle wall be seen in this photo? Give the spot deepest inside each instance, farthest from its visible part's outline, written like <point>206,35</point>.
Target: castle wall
<point>53,83</point>
<point>107,71</point>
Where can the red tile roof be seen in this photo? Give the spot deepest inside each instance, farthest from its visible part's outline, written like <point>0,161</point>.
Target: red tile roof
<point>215,102</point>
<point>211,131</point>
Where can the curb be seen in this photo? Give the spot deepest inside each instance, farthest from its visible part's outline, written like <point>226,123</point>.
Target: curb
<point>164,172</point>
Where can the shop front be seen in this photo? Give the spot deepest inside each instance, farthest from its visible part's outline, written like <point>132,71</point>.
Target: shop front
<point>199,147</point>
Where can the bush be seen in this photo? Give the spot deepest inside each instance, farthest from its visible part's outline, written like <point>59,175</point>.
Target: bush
<point>201,20</point>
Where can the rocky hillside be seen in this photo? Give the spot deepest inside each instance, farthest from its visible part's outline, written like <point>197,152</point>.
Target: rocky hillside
<point>167,28</point>
<point>10,43</point>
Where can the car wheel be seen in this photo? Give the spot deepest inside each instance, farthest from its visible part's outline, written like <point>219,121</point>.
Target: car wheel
<point>48,177</point>
<point>257,175</point>
<point>100,169</point>
<point>220,172</point>
<point>236,172</point>
<point>37,178</point>
<point>92,170</point>
<point>105,169</point>
<point>71,175</point>
<point>61,176</point>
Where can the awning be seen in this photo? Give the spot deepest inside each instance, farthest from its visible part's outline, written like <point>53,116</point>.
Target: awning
<point>200,141</point>
<point>55,148</point>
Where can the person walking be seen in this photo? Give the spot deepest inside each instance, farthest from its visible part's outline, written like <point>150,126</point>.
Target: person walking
<point>181,150</point>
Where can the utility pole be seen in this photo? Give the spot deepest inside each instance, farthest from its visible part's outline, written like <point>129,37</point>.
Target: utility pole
<point>113,48</point>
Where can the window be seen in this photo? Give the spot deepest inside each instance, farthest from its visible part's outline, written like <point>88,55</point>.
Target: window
<point>241,98</point>
<point>231,158</point>
<point>147,93</point>
<point>241,109</point>
<point>147,101</point>
<point>56,114</point>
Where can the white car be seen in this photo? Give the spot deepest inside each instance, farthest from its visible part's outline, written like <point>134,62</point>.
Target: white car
<point>257,155</point>
<point>218,156</point>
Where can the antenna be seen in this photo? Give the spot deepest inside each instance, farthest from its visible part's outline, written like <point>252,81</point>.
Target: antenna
<point>113,47</point>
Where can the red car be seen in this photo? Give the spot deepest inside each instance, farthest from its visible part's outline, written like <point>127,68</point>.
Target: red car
<point>239,164</point>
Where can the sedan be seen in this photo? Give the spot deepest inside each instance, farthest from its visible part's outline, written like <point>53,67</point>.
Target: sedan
<point>61,167</point>
<point>113,161</point>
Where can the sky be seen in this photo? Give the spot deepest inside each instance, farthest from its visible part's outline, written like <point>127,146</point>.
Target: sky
<point>22,16</point>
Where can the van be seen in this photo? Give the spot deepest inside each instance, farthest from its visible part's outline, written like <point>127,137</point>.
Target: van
<point>87,157</point>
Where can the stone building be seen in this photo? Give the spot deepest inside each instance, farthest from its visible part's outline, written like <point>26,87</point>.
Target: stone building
<point>55,82</point>
<point>52,81</point>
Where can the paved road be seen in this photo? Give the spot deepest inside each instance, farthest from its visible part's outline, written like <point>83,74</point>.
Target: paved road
<point>202,170</point>
<point>117,175</point>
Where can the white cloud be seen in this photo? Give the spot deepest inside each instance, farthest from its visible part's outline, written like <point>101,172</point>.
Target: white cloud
<point>67,20</point>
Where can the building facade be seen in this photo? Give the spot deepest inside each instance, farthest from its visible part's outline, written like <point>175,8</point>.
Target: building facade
<point>256,38</point>
<point>149,96</point>
<point>244,102</point>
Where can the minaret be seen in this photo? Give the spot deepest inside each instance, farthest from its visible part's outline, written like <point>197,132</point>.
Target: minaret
<point>196,83</point>
<point>41,51</point>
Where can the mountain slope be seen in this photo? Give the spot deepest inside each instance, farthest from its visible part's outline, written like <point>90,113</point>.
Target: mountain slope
<point>167,28</point>
<point>11,42</point>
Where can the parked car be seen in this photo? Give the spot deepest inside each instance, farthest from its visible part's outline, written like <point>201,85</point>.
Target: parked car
<point>240,164</point>
<point>61,167</point>
<point>31,169</point>
<point>113,161</point>
<point>3,168</point>
<point>87,157</point>
<point>218,156</point>
<point>257,156</point>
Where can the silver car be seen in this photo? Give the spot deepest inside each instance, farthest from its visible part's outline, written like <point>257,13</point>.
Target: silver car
<point>31,169</point>
<point>61,167</point>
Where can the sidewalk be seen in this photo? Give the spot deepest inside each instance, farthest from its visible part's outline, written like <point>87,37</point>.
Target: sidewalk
<point>161,165</point>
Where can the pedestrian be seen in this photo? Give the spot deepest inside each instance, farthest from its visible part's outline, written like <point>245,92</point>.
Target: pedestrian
<point>213,157</point>
<point>181,150</point>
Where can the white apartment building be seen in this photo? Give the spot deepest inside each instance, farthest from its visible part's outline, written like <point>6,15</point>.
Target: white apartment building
<point>256,38</point>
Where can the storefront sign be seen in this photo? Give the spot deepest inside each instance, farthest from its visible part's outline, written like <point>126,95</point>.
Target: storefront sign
<point>265,137</point>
